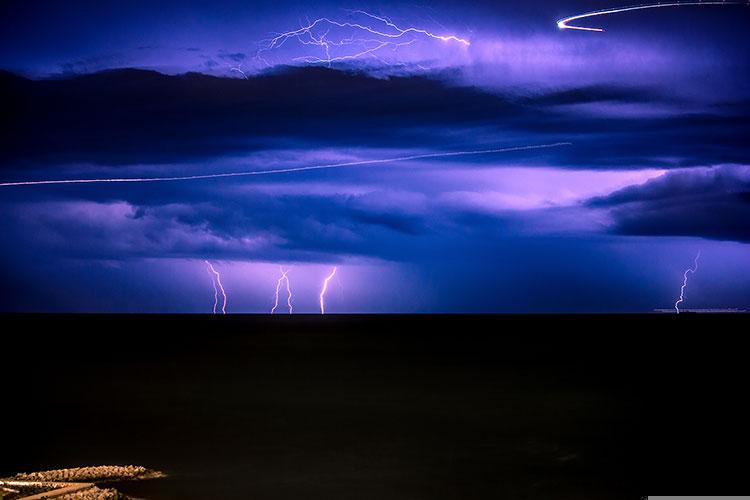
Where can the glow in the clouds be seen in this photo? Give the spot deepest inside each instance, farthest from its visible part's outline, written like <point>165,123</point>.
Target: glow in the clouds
<point>284,277</point>
<point>368,37</point>
<point>283,170</point>
<point>690,270</point>
<point>216,280</point>
<point>324,289</point>
<point>564,24</point>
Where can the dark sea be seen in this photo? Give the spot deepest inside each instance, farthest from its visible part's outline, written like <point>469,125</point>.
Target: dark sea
<point>381,407</point>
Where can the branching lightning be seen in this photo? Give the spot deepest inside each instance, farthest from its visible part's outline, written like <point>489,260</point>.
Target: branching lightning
<point>218,287</point>
<point>284,278</point>
<point>371,35</point>
<point>283,170</point>
<point>324,289</point>
<point>690,270</point>
<point>564,24</point>
<point>238,69</point>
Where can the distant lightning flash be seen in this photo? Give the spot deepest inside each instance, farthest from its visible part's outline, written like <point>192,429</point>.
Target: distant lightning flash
<point>289,295</point>
<point>284,278</point>
<point>690,270</point>
<point>216,291</point>
<point>377,34</point>
<point>324,289</point>
<point>238,69</point>
<point>564,24</point>
<point>216,280</point>
<point>284,170</point>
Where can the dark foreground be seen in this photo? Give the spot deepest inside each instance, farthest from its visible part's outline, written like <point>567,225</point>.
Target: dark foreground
<point>384,407</point>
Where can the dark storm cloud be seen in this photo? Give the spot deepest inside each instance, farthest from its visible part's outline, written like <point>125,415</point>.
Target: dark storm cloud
<point>234,57</point>
<point>129,115</point>
<point>221,224</point>
<point>601,93</point>
<point>712,203</point>
<point>92,63</point>
<point>125,116</point>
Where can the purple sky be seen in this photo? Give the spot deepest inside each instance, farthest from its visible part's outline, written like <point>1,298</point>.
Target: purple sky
<point>658,168</point>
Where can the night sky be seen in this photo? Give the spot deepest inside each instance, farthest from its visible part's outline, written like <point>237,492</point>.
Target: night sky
<point>656,110</point>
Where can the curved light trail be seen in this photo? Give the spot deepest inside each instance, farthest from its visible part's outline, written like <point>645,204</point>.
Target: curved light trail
<point>564,24</point>
<point>282,170</point>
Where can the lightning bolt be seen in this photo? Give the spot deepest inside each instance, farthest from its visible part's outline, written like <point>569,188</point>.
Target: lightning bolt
<point>324,289</point>
<point>690,270</point>
<point>289,295</point>
<point>216,280</point>
<point>285,170</point>
<point>238,69</point>
<point>380,32</point>
<point>564,24</point>
<point>284,278</point>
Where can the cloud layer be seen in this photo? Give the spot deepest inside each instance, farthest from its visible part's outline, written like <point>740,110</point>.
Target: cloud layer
<point>706,202</point>
<point>546,230</point>
<point>133,116</point>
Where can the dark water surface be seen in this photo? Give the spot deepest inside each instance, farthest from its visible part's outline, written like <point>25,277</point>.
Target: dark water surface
<point>376,407</point>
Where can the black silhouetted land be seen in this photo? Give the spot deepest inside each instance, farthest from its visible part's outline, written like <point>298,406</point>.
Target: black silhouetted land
<point>374,407</point>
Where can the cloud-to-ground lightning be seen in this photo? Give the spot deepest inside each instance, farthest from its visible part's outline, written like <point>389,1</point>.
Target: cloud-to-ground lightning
<point>284,170</point>
<point>324,289</point>
<point>370,35</point>
<point>564,24</point>
<point>284,278</point>
<point>289,295</point>
<point>218,287</point>
<point>690,270</point>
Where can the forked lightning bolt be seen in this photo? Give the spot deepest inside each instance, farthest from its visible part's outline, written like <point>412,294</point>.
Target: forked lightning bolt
<point>324,289</point>
<point>218,287</point>
<point>285,170</point>
<point>284,278</point>
<point>371,35</point>
<point>564,24</point>
<point>690,270</point>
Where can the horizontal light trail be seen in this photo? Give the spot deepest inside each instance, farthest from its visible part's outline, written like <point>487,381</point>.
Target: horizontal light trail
<point>283,170</point>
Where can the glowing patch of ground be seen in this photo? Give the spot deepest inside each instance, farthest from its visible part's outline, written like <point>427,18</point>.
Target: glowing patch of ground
<point>82,483</point>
